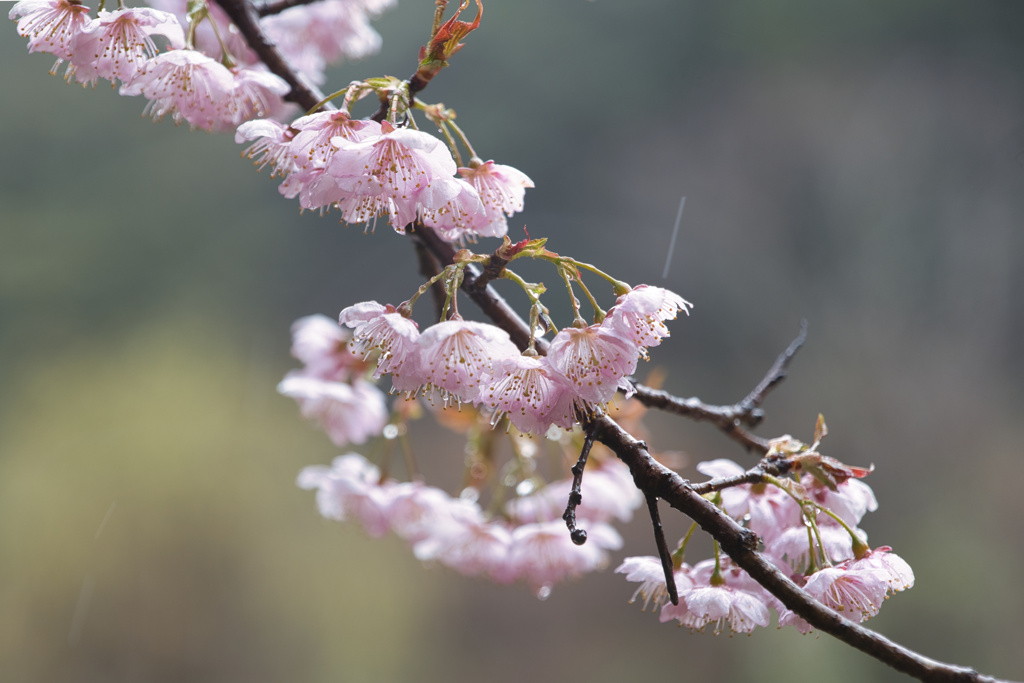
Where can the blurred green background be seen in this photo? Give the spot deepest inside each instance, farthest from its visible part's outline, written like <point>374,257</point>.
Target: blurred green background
<point>860,165</point>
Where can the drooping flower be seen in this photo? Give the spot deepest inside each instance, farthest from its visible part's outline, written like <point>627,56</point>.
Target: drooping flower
<point>543,554</point>
<point>463,540</point>
<point>378,327</point>
<point>593,359</point>
<point>791,547</point>
<point>851,499</point>
<point>323,346</point>
<point>349,413</point>
<point>117,44</point>
<point>401,173</point>
<point>894,569</point>
<point>50,25</point>
<point>187,85</point>
<point>257,94</point>
<point>857,591</point>
<point>531,393</point>
<point>640,314</point>
<point>501,189</point>
<point>458,355</point>
<point>271,146</point>
<point>351,488</point>
<point>648,572</point>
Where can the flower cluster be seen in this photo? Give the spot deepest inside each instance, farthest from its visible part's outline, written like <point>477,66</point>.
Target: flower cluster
<point>366,169</point>
<point>527,543</point>
<point>207,77</point>
<point>827,555</point>
<point>331,388</point>
<point>470,362</point>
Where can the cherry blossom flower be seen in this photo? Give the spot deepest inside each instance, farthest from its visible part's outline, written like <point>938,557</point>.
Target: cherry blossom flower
<point>894,569</point>
<point>462,217</point>
<point>257,94</point>
<point>791,546</point>
<point>400,172</point>
<point>271,146</point>
<point>640,314</point>
<point>458,355</point>
<point>857,591</point>
<point>543,554</point>
<point>312,150</point>
<point>648,572</point>
<point>323,346</point>
<point>417,510</point>
<point>593,359</point>
<point>350,488</point>
<point>501,190</point>
<point>349,413</point>
<point>187,85</point>
<point>117,44</point>
<point>464,541</point>
<point>531,393</point>
<point>380,328</point>
<point>719,606</point>
<point>851,499</point>
<point>50,26</point>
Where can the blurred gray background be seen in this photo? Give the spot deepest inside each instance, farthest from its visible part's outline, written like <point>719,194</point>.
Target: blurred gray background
<point>860,165</point>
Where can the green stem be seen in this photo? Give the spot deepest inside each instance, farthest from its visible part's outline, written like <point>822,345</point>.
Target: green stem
<point>679,553</point>
<point>567,279</point>
<point>464,139</point>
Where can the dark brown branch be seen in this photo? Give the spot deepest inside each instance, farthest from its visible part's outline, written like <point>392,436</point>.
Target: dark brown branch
<point>243,15</point>
<point>659,541</point>
<point>740,544</point>
<point>650,476</point>
<point>730,419</point>
<point>271,8</point>
<point>771,466</point>
<point>579,536</point>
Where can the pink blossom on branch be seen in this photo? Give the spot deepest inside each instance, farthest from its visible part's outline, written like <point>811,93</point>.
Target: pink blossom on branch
<point>531,393</point>
<point>593,359</point>
<point>401,173</point>
<point>459,355</point>
<point>50,25</point>
<point>188,86</point>
<point>117,44</point>
<point>640,314</point>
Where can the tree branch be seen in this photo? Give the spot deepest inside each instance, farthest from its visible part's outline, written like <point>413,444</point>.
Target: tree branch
<point>650,476</point>
<point>244,16</point>
<point>270,8</point>
<point>740,544</point>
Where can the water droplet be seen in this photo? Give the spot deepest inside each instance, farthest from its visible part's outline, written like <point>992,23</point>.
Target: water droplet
<point>469,493</point>
<point>525,487</point>
<point>544,592</point>
<point>390,432</point>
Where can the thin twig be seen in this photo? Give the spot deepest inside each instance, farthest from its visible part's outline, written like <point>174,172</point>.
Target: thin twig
<point>730,419</point>
<point>667,565</point>
<point>579,536</point>
<point>770,466</point>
